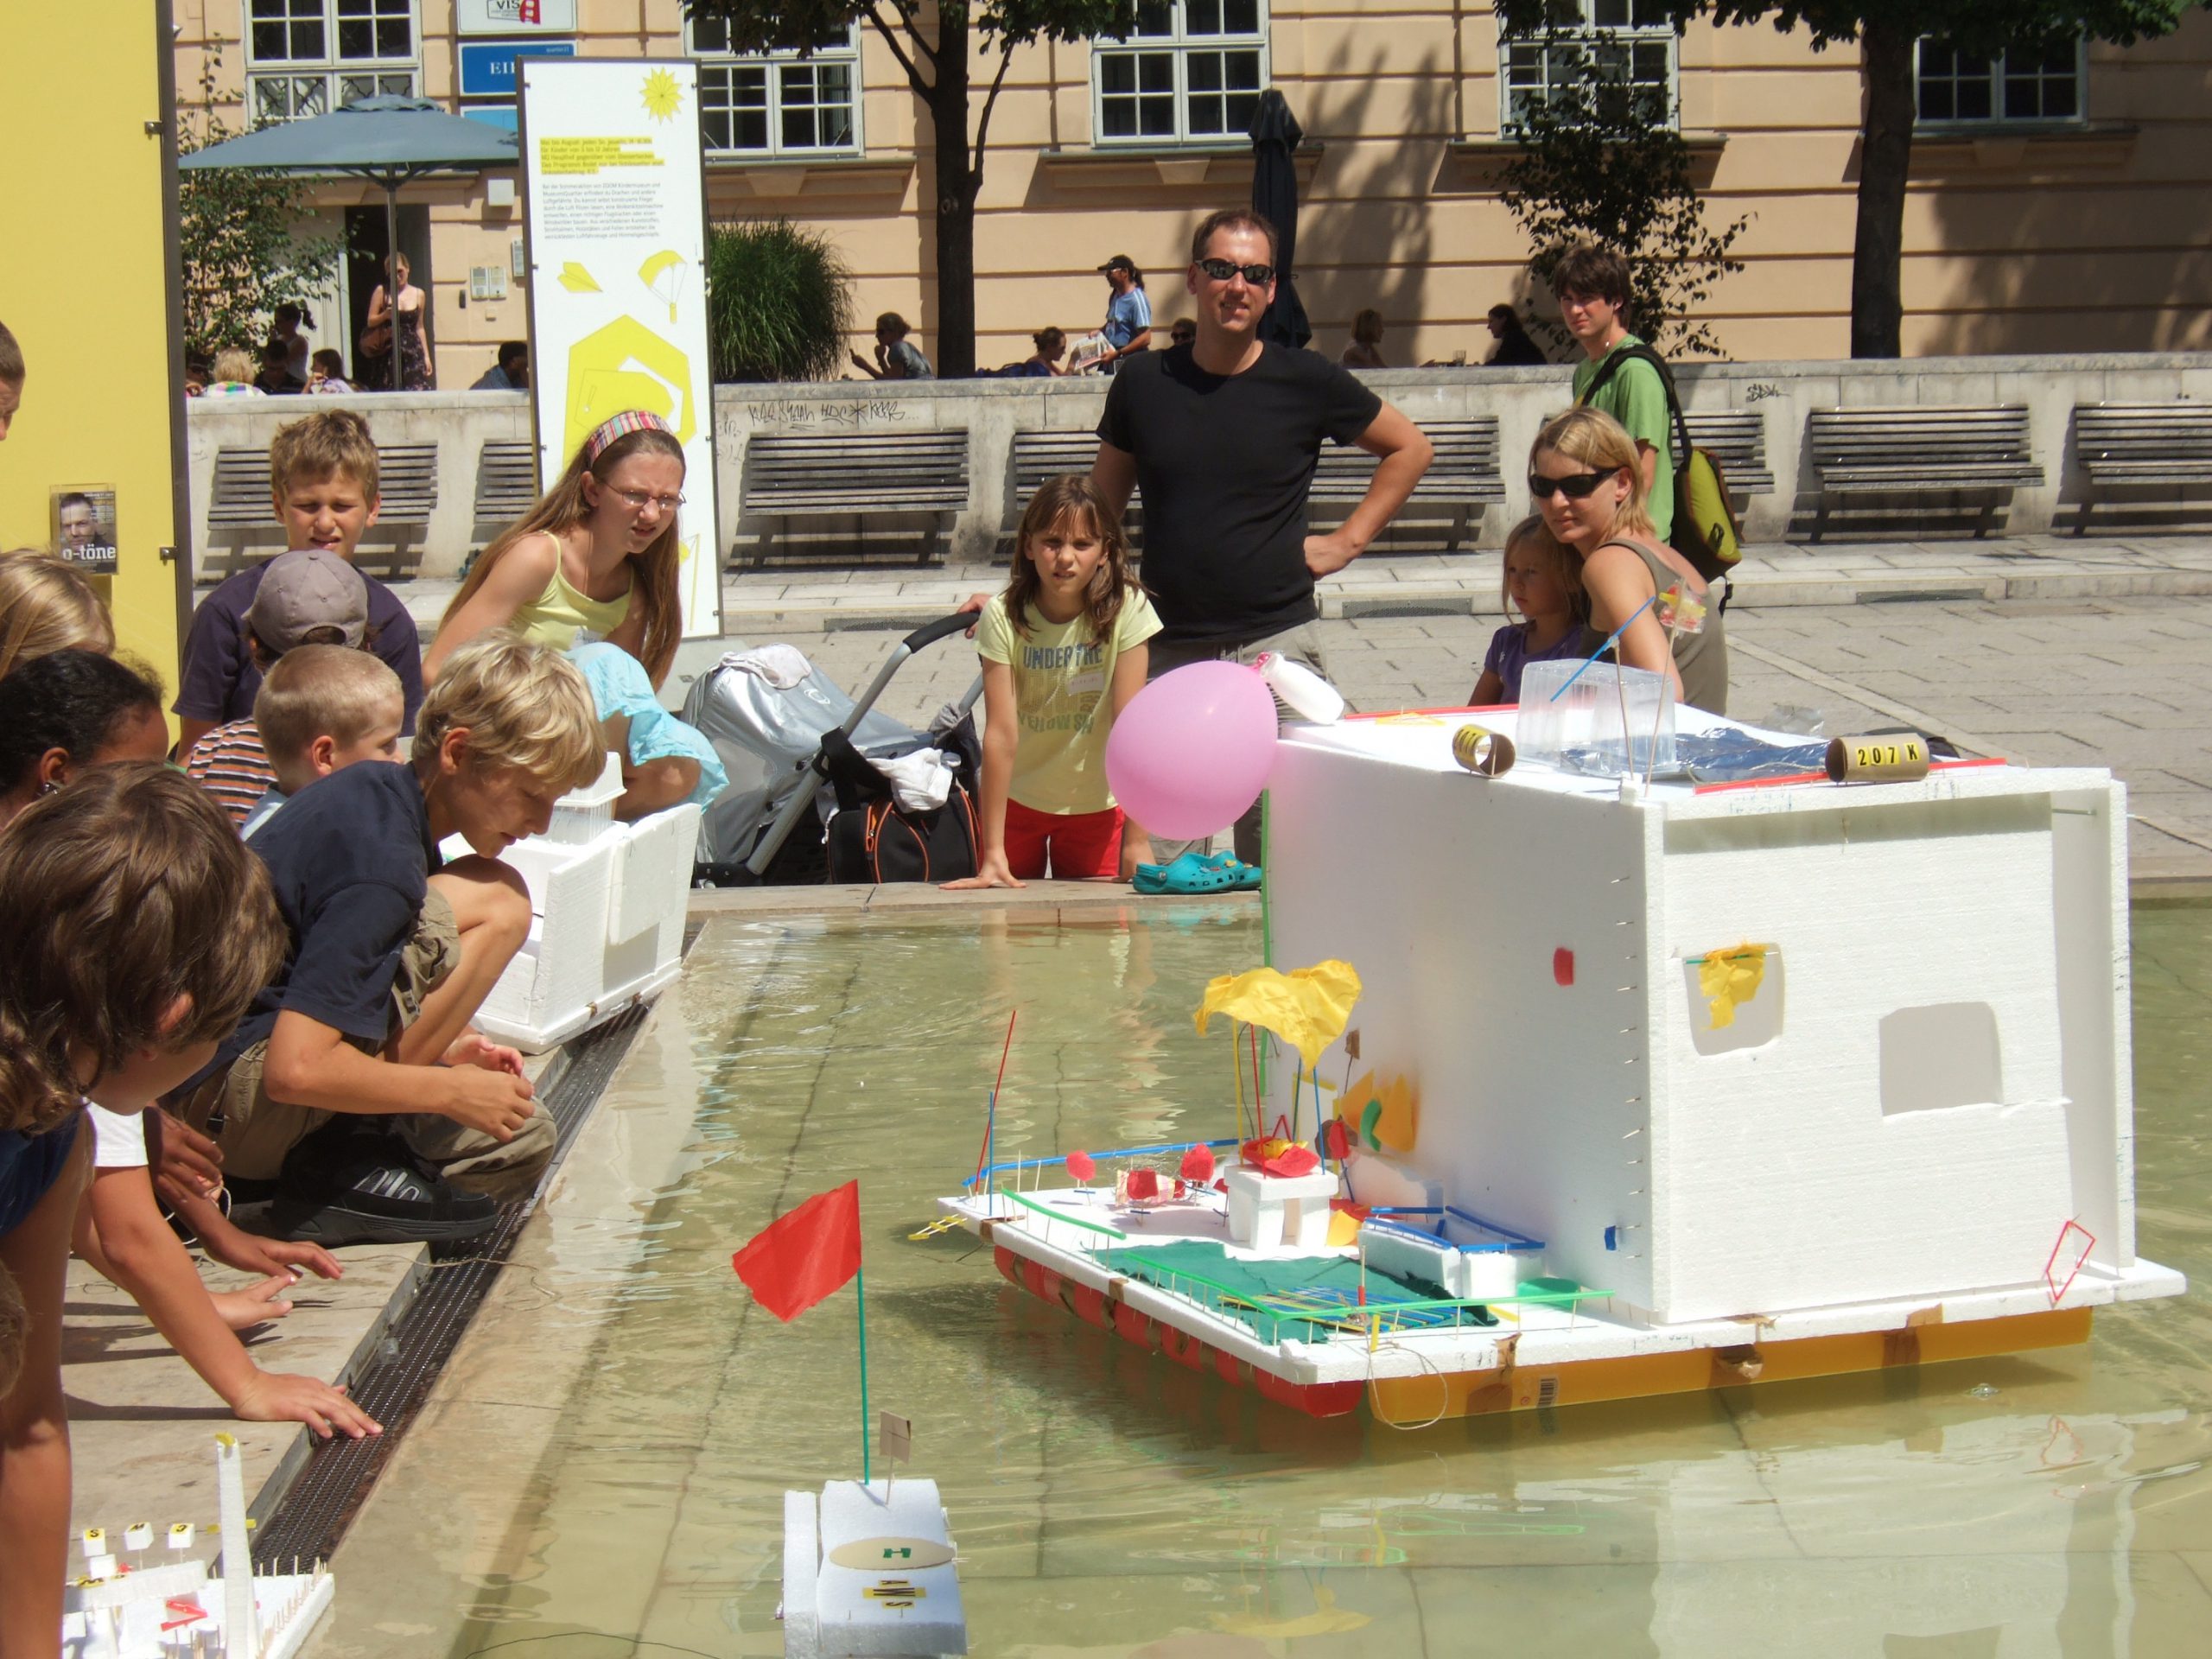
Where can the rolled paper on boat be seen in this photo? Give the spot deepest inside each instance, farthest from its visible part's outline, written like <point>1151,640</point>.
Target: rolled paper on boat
<point>1877,759</point>
<point>1481,750</point>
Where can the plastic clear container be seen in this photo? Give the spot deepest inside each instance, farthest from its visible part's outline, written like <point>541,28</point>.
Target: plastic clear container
<point>581,814</point>
<point>1581,731</point>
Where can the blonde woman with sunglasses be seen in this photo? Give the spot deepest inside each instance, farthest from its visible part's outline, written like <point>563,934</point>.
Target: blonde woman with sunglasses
<point>1586,479</point>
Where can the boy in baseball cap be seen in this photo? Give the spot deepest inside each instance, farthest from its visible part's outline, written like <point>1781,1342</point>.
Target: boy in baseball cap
<point>308,596</point>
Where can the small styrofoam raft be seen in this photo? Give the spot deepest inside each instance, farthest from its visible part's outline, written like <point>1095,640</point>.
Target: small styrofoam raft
<point>869,1569</point>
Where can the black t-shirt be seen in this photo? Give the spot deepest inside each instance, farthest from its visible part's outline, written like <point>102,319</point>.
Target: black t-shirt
<point>350,857</point>
<point>1224,462</point>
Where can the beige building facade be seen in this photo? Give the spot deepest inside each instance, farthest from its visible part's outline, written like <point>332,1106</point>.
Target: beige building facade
<point>2058,202</point>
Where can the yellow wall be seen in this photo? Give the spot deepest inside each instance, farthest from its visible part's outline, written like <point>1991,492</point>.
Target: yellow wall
<point>87,300</point>
<point>2090,239</point>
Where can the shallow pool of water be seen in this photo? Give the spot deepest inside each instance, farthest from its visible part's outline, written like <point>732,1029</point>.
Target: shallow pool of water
<point>1107,1502</point>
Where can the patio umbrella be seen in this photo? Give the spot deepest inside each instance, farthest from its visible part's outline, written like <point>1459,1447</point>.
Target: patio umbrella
<point>1275,135</point>
<point>387,141</point>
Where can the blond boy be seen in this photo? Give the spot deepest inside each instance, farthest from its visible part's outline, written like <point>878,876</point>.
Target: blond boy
<point>320,709</point>
<point>322,477</point>
<point>355,1090</point>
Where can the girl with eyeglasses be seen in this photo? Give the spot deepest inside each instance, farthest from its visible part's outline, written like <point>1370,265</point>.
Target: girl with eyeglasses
<point>593,569</point>
<point>1585,479</point>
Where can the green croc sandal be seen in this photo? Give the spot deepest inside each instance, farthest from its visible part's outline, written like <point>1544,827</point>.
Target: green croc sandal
<point>1189,874</point>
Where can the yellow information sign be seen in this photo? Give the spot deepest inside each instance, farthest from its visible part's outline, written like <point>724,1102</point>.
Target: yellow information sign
<point>86,274</point>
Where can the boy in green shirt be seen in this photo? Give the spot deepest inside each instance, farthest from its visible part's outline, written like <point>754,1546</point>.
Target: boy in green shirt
<point>1592,284</point>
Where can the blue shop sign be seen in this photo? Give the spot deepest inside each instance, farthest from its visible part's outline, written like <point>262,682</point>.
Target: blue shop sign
<point>487,68</point>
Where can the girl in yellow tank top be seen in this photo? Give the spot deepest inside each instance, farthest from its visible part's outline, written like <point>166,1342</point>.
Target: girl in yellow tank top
<point>596,558</point>
<point>596,561</point>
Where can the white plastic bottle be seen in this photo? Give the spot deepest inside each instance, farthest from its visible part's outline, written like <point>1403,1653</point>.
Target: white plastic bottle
<point>1302,691</point>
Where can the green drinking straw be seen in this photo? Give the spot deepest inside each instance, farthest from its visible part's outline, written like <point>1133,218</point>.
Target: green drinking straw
<point>859,1287</point>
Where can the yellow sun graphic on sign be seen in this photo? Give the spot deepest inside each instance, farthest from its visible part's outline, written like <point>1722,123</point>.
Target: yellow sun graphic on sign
<point>663,96</point>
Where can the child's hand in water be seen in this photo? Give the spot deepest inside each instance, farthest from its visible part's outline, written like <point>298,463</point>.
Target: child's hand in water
<point>992,872</point>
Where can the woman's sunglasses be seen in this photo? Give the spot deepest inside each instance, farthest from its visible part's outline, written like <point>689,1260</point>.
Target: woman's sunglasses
<point>1222,269</point>
<point>1577,486</point>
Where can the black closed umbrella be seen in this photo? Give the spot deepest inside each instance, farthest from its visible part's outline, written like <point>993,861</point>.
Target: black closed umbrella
<point>1276,137</point>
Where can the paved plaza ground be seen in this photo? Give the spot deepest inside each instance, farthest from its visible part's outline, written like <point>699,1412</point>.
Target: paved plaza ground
<point>2051,651</point>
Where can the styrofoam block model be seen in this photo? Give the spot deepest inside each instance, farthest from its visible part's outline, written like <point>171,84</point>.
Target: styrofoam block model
<point>1930,1082</point>
<point>142,1610</point>
<point>869,1570</point>
<point>1268,1212</point>
<point>606,927</point>
<point>1470,1274</point>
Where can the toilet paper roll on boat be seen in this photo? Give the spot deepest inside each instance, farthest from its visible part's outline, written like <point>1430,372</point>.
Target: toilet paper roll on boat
<point>1894,758</point>
<point>1481,750</point>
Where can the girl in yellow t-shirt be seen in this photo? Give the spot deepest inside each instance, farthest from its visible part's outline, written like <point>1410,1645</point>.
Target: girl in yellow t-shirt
<point>1064,651</point>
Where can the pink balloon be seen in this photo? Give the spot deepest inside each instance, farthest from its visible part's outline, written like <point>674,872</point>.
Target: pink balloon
<point>1193,749</point>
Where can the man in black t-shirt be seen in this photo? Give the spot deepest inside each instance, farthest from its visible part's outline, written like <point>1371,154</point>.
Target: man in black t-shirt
<point>1225,435</point>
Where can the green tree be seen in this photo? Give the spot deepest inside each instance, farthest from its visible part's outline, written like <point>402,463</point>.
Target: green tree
<point>1887,32</point>
<point>241,259</point>
<point>1606,165</point>
<point>936,46</point>
<point>781,303</point>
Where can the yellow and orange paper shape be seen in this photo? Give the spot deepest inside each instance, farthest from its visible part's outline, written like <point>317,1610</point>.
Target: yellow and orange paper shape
<point>1307,1007</point>
<point>1727,978</point>
<point>1384,1115</point>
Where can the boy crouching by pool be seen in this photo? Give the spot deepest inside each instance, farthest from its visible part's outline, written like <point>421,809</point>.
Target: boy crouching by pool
<point>320,709</point>
<point>356,1095</point>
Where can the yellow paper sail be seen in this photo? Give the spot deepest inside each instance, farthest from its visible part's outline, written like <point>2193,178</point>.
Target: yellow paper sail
<point>1307,1007</point>
<point>1726,978</point>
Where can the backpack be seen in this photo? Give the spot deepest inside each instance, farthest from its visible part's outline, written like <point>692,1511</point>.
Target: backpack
<point>873,839</point>
<point>1706,531</point>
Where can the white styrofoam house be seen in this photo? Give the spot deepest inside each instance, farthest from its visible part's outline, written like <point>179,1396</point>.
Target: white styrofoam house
<point>607,905</point>
<point>1930,1083</point>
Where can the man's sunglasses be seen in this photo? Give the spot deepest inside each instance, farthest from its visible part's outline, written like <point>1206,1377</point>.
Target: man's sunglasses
<point>1222,269</point>
<point>1575,487</point>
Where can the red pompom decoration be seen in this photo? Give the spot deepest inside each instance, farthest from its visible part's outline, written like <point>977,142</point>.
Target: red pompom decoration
<point>1080,1167</point>
<point>1197,1165</point>
<point>1142,1184</point>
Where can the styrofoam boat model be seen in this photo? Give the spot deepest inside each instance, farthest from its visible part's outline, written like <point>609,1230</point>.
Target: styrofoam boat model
<point>127,1607</point>
<point>1715,1084</point>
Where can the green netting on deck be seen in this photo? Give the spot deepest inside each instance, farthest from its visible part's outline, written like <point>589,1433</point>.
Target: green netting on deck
<point>1297,1298</point>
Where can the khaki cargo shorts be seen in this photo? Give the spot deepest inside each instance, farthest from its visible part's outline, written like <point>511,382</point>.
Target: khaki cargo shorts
<point>256,1132</point>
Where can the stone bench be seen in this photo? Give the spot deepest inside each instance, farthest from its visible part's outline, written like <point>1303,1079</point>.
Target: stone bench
<point>865,473</point>
<point>1915,449</point>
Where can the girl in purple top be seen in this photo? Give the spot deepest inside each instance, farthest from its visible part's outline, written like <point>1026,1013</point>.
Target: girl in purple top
<point>1543,582</point>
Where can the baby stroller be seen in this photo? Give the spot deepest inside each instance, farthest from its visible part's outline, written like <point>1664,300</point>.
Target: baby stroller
<point>785,731</point>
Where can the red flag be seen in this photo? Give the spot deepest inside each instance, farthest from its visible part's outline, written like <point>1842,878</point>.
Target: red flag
<point>797,1258</point>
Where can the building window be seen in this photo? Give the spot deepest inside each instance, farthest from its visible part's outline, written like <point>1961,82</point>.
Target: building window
<point>308,57</point>
<point>1626,43</point>
<point>778,103</point>
<point>2033,84</point>
<point>1191,72</point>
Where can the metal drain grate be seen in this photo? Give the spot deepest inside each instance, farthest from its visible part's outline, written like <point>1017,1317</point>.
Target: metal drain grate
<point>321,1501</point>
